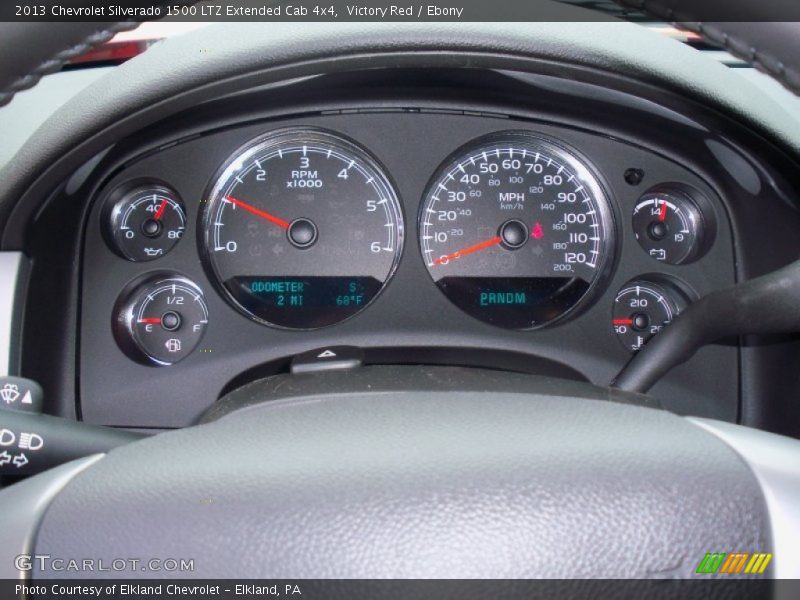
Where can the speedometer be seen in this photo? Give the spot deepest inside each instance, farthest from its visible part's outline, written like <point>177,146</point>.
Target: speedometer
<point>516,230</point>
<point>302,229</point>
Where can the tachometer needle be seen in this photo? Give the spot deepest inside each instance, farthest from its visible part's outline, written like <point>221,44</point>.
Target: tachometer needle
<point>160,211</point>
<point>662,213</point>
<point>470,250</point>
<point>258,212</point>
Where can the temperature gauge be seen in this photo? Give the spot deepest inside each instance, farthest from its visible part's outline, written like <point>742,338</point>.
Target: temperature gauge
<point>146,222</point>
<point>162,320</point>
<point>642,309</point>
<point>669,226</point>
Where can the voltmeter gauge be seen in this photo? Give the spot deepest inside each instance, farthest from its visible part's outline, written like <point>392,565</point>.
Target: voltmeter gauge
<point>642,309</point>
<point>161,320</point>
<point>145,222</point>
<point>669,225</point>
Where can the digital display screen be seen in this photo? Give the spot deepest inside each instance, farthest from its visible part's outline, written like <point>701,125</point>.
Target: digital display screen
<point>303,302</point>
<point>514,302</point>
<point>498,298</point>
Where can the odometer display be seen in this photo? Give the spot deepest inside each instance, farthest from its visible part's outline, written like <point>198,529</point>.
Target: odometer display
<point>302,229</point>
<point>516,230</point>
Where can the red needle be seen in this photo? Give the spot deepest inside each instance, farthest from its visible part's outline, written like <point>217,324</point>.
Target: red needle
<point>662,214</point>
<point>160,211</point>
<point>476,248</point>
<point>153,321</point>
<point>622,322</point>
<point>259,213</point>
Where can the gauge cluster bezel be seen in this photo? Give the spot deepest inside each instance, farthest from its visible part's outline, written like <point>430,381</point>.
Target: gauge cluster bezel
<point>411,310</point>
<point>411,313</point>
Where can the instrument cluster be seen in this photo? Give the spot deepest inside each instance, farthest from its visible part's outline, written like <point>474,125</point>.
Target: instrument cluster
<point>302,228</point>
<point>217,251</point>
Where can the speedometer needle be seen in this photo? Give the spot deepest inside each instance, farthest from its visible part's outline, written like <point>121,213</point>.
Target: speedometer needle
<point>469,250</point>
<point>258,212</point>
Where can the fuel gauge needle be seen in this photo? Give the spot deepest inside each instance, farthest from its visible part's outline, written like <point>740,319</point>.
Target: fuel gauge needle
<point>151,321</point>
<point>469,250</point>
<point>258,212</point>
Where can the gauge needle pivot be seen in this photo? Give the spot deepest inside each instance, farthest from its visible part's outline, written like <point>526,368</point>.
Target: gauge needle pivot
<point>258,212</point>
<point>469,250</point>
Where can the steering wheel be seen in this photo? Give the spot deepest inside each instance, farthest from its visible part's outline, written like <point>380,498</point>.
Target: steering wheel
<point>454,477</point>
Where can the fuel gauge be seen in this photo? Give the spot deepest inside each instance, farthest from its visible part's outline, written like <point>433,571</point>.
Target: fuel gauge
<point>669,225</point>
<point>161,320</point>
<point>146,222</point>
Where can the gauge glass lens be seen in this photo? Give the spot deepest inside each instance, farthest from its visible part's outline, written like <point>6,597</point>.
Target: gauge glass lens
<point>642,309</point>
<point>302,229</point>
<point>516,231</point>
<point>147,222</point>
<point>668,226</point>
<point>162,320</point>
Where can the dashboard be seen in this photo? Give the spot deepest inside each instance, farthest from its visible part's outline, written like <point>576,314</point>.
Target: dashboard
<point>404,273</point>
<point>490,219</point>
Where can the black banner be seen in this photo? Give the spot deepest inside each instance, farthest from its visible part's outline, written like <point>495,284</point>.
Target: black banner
<point>399,589</point>
<point>375,10</point>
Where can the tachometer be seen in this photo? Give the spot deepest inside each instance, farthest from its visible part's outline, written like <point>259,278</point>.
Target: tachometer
<point>302,229</point>
<point>516,230</point>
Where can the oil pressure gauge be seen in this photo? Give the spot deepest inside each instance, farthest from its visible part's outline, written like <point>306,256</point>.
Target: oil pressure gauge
<point>145,222</point>
<point>643,308</point>
<point>161,320</point>
<point>669,225</point>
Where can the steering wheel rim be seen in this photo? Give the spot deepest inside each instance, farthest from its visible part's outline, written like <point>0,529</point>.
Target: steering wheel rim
<point>67,491</point>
